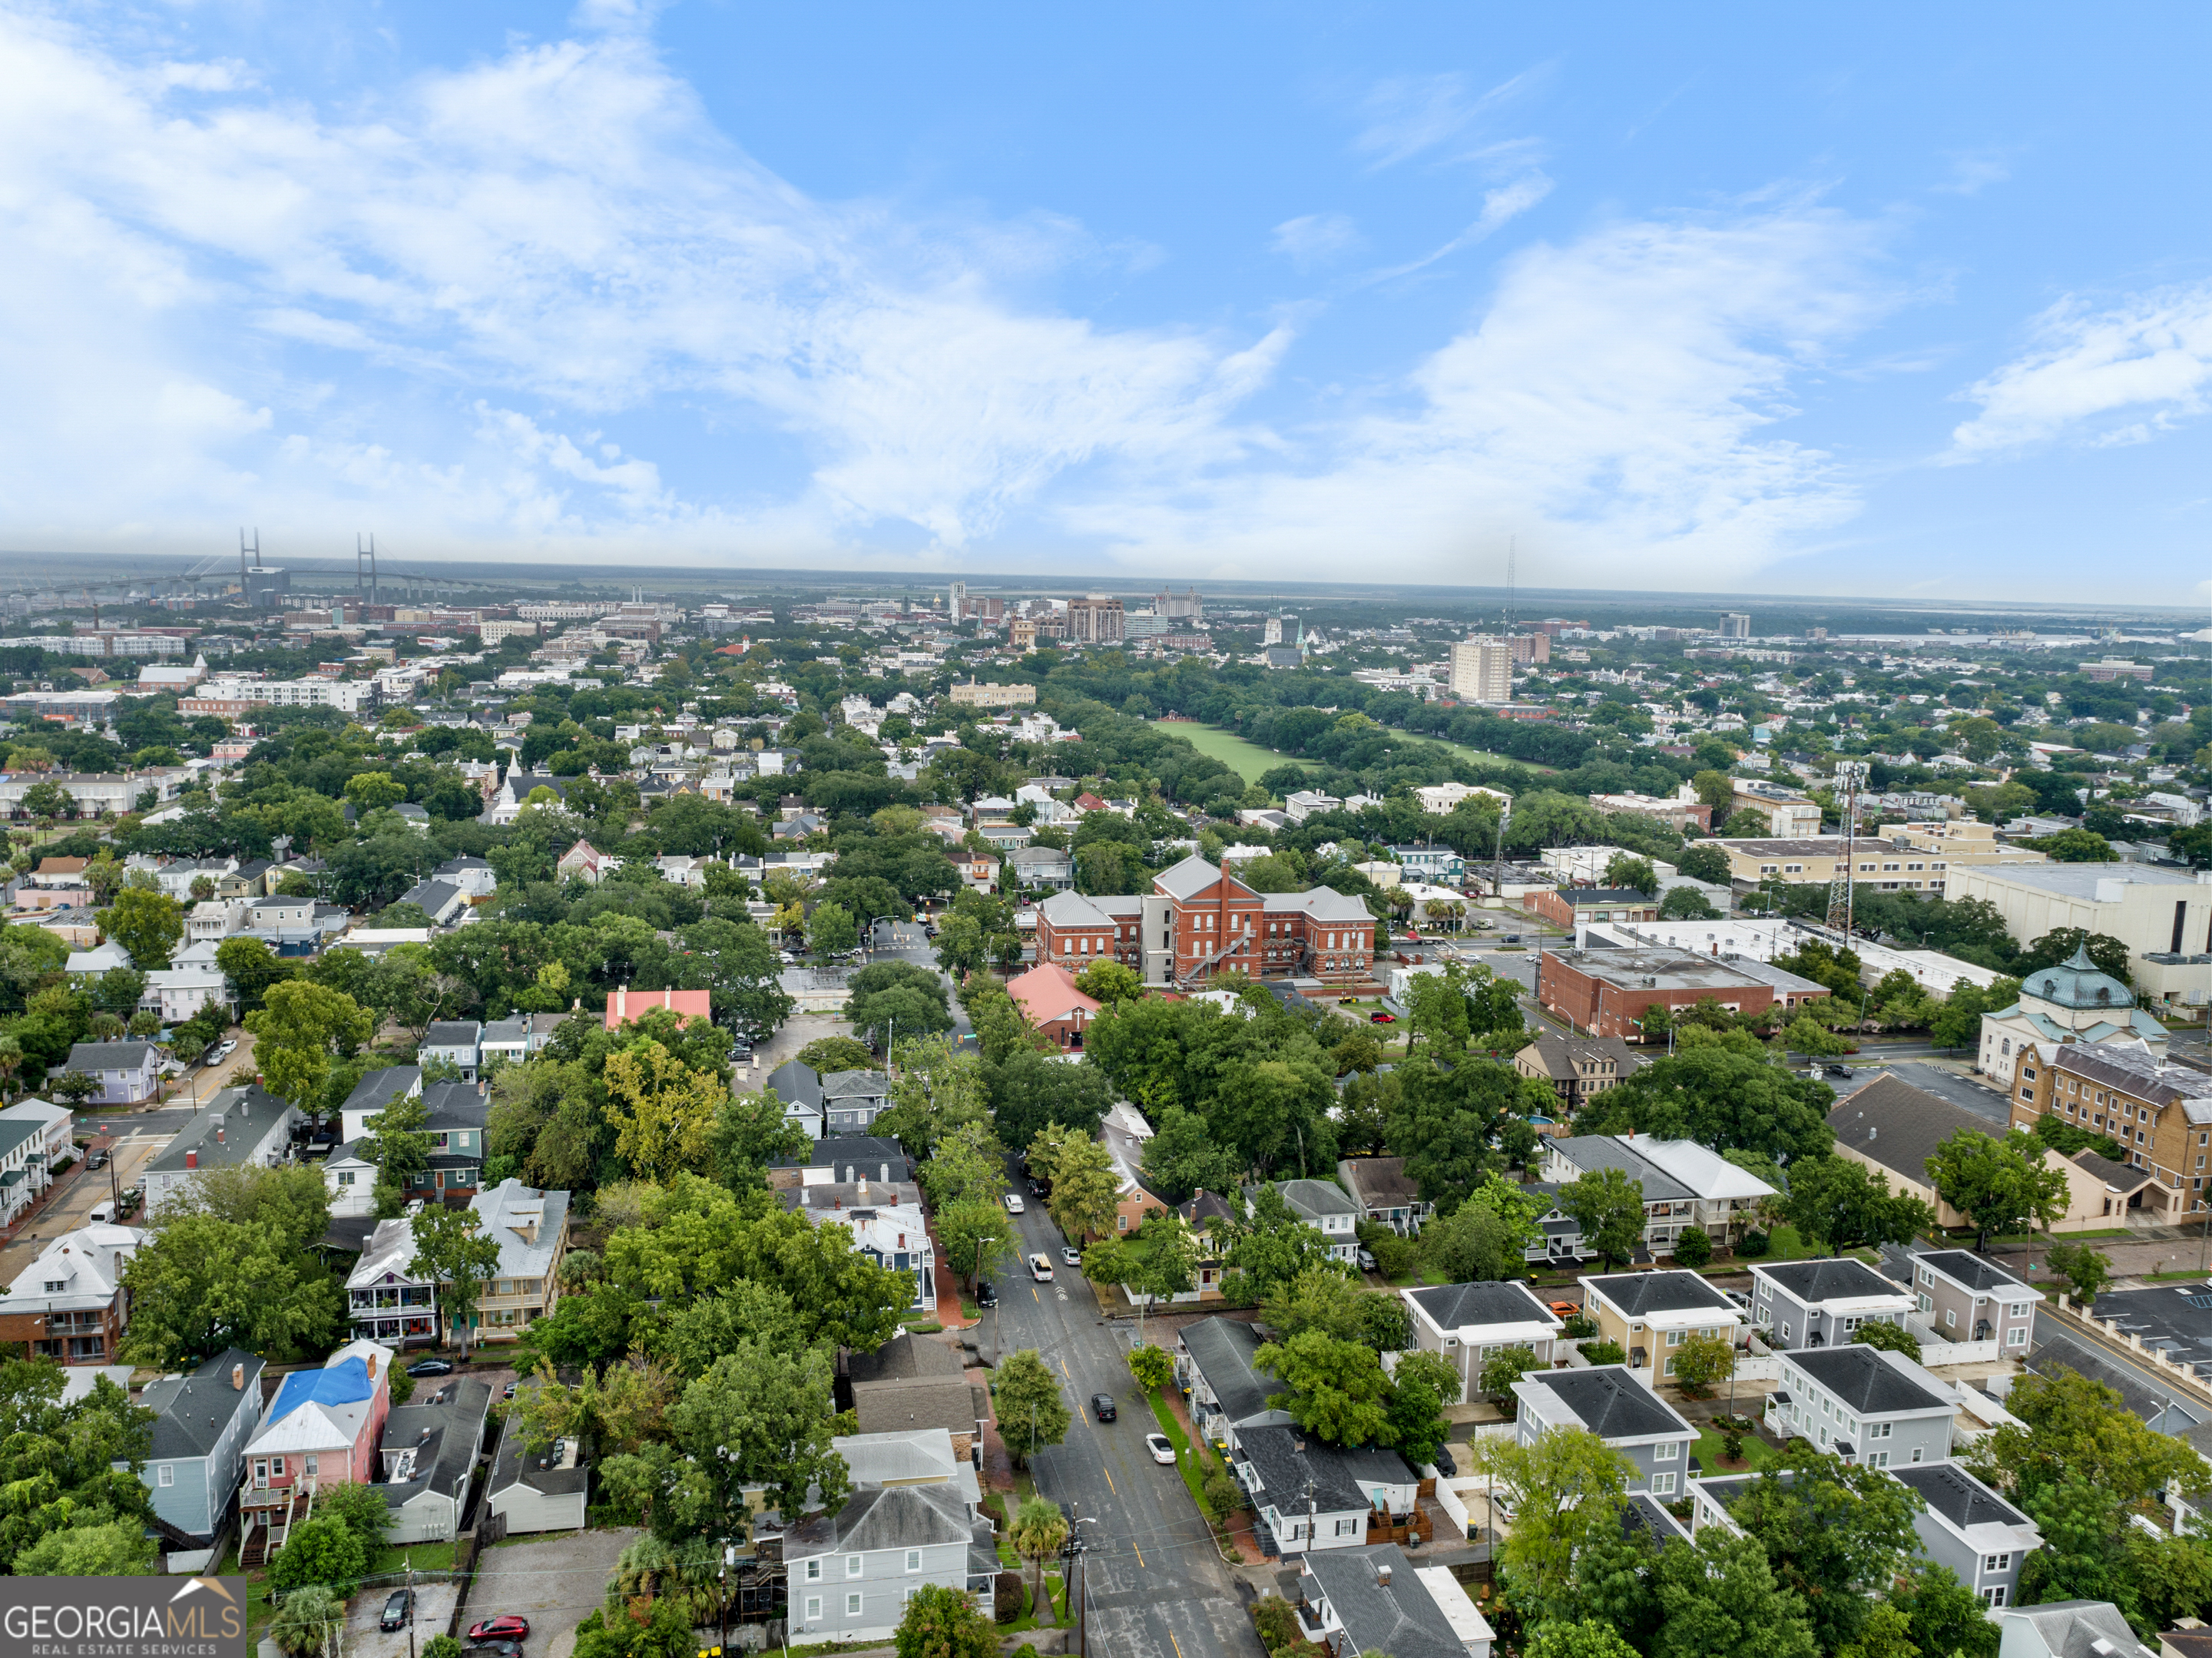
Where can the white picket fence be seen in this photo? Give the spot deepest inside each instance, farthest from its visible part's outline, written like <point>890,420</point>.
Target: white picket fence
<point>1935,1348</point>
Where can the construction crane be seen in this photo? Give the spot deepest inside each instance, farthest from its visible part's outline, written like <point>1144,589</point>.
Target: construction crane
<point>1851,776</point>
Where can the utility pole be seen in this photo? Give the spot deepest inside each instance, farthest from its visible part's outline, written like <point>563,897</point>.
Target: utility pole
<point>410,1606</point>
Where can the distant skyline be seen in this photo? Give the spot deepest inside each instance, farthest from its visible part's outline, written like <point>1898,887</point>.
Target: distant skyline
<point>1889,302</point>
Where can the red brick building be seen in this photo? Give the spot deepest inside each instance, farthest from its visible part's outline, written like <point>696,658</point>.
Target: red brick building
<point>1605,992</point>
<point>1197,922</point>
<point>1565,905</point>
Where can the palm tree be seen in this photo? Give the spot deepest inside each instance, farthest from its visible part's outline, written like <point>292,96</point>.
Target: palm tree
<point>1038,1529</point>
<point>11,1061</point>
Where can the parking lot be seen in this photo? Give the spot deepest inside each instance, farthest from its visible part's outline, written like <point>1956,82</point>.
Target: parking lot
<point>433,1609</point>
<point>556,1581</point>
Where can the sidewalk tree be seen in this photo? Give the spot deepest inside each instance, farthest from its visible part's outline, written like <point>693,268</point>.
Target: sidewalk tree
<point>944,1623</point>
<point>1151,1366</point>
<point>298,1029</point>
<point>1031,1413</point>
<point>2001,1186</point>
<point>1037,1531</point>
<point>453,1252</point>
<point>977,1234</point>
<point>2086,1271</point>
<point>1567,1486</point>
<point>1086,1187</point>
<point>936,1090</point>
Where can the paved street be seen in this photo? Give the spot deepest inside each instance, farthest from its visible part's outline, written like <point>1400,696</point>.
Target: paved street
<point>1158,1587</point>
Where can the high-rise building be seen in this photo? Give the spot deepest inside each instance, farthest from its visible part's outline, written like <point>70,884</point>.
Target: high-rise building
<point>1185,606</point>
<point>1482,670</point>
<point>959,596</point>
<point>1095,619</point>
<point>1735,624</point>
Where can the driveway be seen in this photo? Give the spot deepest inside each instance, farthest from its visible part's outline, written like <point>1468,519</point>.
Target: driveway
<point>556,1581</point>
<point>433,1609</point>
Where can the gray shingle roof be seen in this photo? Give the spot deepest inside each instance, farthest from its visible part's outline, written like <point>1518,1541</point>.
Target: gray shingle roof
<point>1639,1295</point>
<point>453,1033</point>
<point>1950,1490</point>
<point>444,1430</point>
<point>884,1518</point>
<point>1609,1402</point>
<point>1312,1199</point>
<point>1189,877</point>
<point>1816,1281</point>
<point>1401,1617</point>
<point>191,1411</point>
<point>1283,1458</point>
<point>1454,1306</point>
<point>1891,1123</point>
<point>1222,1348</point>
<point>110,1056</point>
<point>1971,1270</point>
<point>1864,1380</point>
<point>904,1357</point>
<point>2081,1629</point>
<point>379,1088</point>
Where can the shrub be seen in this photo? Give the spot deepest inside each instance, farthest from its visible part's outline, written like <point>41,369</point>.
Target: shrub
<point>1753,1244</point>
<point>363,1510</point>
<point>1277,1623</point>
<point>1732,1445</point>
<point>1394,1256</point>
<point>321,1551</point>
<point>1604,1352</point>
<point>442,1646</point>
<point>1580,1328</point>
<point>1895,1337</point>
<point>1008,1596</point>
<point>1694,1249</point>
<point>1223,1495</point>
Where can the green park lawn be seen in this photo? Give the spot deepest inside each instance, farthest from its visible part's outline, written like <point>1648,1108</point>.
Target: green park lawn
<point>1247,760</point>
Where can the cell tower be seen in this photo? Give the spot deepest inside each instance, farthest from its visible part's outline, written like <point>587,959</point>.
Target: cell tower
<point>1850,775</point>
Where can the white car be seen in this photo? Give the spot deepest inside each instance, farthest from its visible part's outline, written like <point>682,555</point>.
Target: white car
<point>1014,1205</point>
<point>1041,1268</point>
<point>1163,1452</point>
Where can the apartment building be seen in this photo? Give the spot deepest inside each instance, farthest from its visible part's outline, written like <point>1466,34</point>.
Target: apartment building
<point>1579,1068</point>
<point>1882,866</point>
<point>1651,1314</point>
<point>2162,1114</point>
<point>1790,814</point>
<point>2072,1003</point>
<point>1866,1405</point>
<point>1482,670</point>
<point>1965,1525</point>
<point>1685,1184</point>
<point>1609,992</point>
<point>975,693</point>
<point>852,1572</point>
<point>1470,1324</point>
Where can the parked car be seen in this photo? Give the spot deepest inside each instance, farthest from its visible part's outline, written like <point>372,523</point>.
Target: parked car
<point>1041,1267</point>
<point>1102,1407</point>
<point>1162,1452</point>
<point>431,1367</point>
<point>985,1295</point>
<point>507,1391</point>
<point>1366,1259</point>
<point>96,1158</point>
<point>1510,939</point>
<point>1014,1205</point>
<point>1070,1256</point>
<point>492,1648</point>
<point>1566,1309</point>
<point>505,1627</point>
<point>1379,1018</point>
<point>398,1610</point>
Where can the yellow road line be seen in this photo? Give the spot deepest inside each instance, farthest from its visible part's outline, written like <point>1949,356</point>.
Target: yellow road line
<point>1141,1554</point>
<point>1109,1472</point>
<point>1178,1645</point>
<point>1065,1371</point>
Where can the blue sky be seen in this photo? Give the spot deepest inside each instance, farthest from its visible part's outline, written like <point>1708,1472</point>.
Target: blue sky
<point>1914,301</point>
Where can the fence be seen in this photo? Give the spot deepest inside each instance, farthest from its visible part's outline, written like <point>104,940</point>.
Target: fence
<point>1937,1348</point>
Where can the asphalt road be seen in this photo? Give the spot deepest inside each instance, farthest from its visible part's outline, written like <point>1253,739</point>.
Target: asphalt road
<point>1156,1584</point>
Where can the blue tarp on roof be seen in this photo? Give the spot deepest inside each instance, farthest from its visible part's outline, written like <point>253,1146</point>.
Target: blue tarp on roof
<point>343,1383</point>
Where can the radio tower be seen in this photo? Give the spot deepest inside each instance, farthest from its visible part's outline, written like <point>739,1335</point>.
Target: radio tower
<point>1850,774</point>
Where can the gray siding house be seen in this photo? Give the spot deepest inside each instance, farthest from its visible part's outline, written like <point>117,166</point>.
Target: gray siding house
<point>1820,1303</point>
<point>1962,1298</point>
<point>127,1072</point>
<point>1867,1405</point>
<point>455,1041</point>
<point>1970,1529</point>
<point>537,1491</point>
<point>851,1574</point>
<point>1608,1401</point>
<point>851,1099</point>
<point>202,1421</point>
<point>1470,1323</point>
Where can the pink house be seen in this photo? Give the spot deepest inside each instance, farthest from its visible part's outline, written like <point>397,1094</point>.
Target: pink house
<point>321,1429</point>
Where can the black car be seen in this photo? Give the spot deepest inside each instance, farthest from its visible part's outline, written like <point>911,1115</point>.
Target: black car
<point>431,1367</point>
<point>398,1610</point>
<point>1102,1407</point>
<point>985,1295</point>
<point>96,1158</point>
<point>497,1648</point>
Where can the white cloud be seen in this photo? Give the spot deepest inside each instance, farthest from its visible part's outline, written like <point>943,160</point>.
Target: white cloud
<point>1975,171</point>
<point>2102,377</point>
<point>1409,115</point>
<point>1508,201</point>
<point>1315,238</point>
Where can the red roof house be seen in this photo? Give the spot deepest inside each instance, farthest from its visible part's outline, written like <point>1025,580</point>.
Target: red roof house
<point>626,1003</point>
<point>1046,995</point>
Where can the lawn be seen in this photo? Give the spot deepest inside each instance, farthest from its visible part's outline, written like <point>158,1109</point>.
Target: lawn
<point>1757,1452</point>
<point>1247,760</point>
<point>1187,1464</point>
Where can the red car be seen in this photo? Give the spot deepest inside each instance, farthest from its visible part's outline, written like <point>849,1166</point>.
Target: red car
<point>1381,1018</point>
<point>508,1628</point>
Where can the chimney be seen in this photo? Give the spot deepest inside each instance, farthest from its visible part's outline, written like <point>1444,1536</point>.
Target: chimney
<point>218,1131</point>
<point>370,1359</point>
<point>238,1378</point>
<point>192,1159</point>
<point>1382,1573</point>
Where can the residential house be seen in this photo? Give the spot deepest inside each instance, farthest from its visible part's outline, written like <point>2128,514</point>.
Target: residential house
<point>1048,999</point>
<point>471,876</point>
<point>1684,1183</point>
<point>321,1429</point>
<point>350,1176</point>
<point>851,1574</point>
<point>1326,1207</point>
<point>1380,1186</point>
<point>1578,1067</point>
<point>1965,1525</point>
<point>1214,1367</point>
<point>374,1092</point>
<point>455,1041</point>
<point>547,1489</point>
<point>799,1087</point>
<point>1302,803</point>
<point>443,904</point>
<point>239,1127</point>
<point>430,1448</point>
<point>2068,1629</point>
<point>852,1100</point>
<point>1820,1304</point>
<point>69,1304</point>
<point>175,994</point>
<point>1375,1600</point>
<point>1440,864</point>
<point>509,1039</point>
<point>1651,1314</point>
<point>924,1456</point>
<point>911,1384</point>
<point>584,862</point>
<point>1890,1126</point>
<point>129,1073</point>
<point>625,1005</point>
<point>1611,1401</point>
<point>1311,1495</point>
<point>977,869</point>
<point>1866,1405</point>
<point>56,1137</point>
<point>1471,1323</point>
<point>387,1300</point>
<point>1963,1298</point>
<point>1042,868</point>
<point>84,966</point>
<point>892,1234</point>
<point>531,1229</point>
<point>203,1420</point>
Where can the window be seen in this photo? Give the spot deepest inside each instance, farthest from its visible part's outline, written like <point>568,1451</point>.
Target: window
<point>311,1460</point>
<point>1879,1430</point>
<point>1950,1318</point>
<point>55,1286</point>
<point>1994,1596</point>
<point>852,1566</point>
<point>2017,1336</point>
<point>169,1474</point>
<point>1878,1459</point>
<point>1666,1452</point>
<point>1916,1453</point>
<point>852,1606</point>
<point>914,1560</point>
<point>1347,1528</point>
<point>1997,1563</point>
<point>813,1608</point>
<point>1662,1485</point>
<point>814,1572</point>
